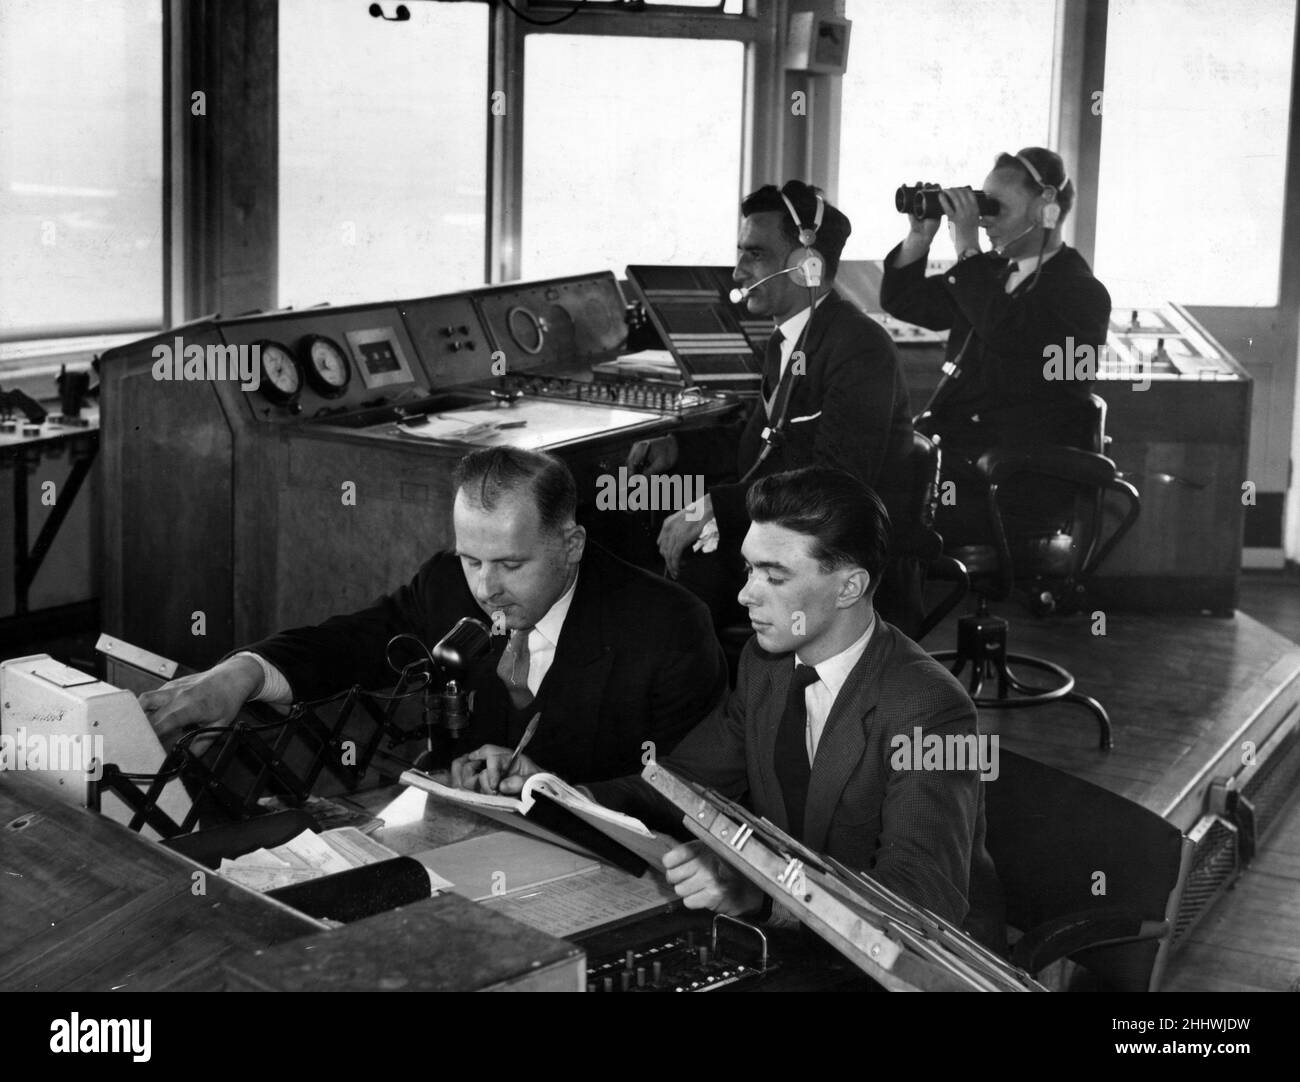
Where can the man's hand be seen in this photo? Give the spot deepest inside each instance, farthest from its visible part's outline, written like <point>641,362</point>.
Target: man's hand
<point>963,212</point>
<point>682,529</point>
<point>652,456</point>
<point>916,245</point>
<point>480,771</point>
<point>206,698</point>
<point>704,881</point>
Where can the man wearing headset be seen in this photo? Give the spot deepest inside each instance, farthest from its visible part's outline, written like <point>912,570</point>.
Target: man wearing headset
<point>1007,310</point>
<point>832,392</point>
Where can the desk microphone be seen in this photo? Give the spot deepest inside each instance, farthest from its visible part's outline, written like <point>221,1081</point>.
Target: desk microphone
<point>811,268</point>
<point>464,645</point>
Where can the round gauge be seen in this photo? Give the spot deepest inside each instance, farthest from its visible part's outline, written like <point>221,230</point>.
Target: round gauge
<point>281,373</point>
<point>328,369</point>
<point>526,329</point>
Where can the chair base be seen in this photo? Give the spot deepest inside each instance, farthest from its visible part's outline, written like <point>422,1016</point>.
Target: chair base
<point>982,643</point>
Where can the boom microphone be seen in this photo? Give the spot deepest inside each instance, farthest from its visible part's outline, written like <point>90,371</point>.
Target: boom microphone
<point>810,267</point>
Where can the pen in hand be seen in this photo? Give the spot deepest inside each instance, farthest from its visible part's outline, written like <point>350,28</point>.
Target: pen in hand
<point>513,761</point>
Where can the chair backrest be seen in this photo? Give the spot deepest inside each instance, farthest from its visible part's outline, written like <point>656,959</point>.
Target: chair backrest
<point>1062,845</point>
<point>916,549</point>
<point>1052,560</point>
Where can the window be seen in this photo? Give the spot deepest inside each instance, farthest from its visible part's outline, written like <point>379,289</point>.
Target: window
<point>383,144</point>
<point>1193,151</point>
<point>935,92</point>
<point>80,166</point>
<point>631,152</point>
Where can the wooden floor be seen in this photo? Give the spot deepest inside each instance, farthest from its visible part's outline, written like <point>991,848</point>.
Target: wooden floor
<point>1182,693</point>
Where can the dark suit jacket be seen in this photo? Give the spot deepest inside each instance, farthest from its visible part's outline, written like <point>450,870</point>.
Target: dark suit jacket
<point>919,832</point>
<point>637,661</point>
<point>849,409</point>
<point>1002,381</point>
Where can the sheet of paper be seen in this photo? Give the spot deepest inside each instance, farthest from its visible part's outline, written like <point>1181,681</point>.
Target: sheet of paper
<point>355,847</point>
<point>262,870</point>
<point>570,797</point>
<point>309,850</point>
<point>458,796</point>
<point>569,906</point>
<point>502,863</point>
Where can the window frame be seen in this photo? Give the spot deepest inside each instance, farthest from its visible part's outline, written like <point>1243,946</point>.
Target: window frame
<point>759,143</point>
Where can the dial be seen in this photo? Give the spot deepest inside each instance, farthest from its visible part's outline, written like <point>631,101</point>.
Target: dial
<point>328,368</point>
<point>281,373</point>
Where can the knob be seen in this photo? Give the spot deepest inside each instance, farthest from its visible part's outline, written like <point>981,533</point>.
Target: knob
<point>657,972</point>
<point>454,347</point>
<point>640,976</point>
<point>447,332</point>
<point>607,985</point>
<point>629,959</point>
<point>625,981</point>
<point>463,329</point>
<point>703,954</point>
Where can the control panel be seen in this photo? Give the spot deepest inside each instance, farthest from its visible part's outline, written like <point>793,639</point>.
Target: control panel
<point>563,321</point>
<point>689,960</point>
<point>635,393</point>
<point>1161,343</point>
<point>703,329</point>
<point>324,361</point>
<point>449,338</point>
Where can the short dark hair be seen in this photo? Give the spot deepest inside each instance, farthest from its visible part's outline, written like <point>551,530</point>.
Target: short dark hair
<point>1050,167</point>
<point>846,520</point>
<point>488,472</point>
<point>831,236</point>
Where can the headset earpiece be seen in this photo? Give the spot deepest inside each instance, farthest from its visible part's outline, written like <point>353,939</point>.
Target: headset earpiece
<point>810,264</point>
<point>1051,210</point>
<point>1049,215</point>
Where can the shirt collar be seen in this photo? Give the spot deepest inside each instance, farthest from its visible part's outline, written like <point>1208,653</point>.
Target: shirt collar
<point>1026,266</point>
<point>791,328</point>
<point>549,625</point>
<point>834,671</point>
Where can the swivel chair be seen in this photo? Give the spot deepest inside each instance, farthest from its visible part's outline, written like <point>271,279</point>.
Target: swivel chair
<point>1085,873</point>
<point>1052,567</point>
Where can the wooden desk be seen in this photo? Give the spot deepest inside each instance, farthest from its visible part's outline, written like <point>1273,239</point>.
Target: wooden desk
<point>87,905</point>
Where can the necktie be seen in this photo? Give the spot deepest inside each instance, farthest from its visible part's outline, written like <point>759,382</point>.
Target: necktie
<point>772,368</point>
<point>792,769</point>
<point>1008,273</point>
<point>513,668</point>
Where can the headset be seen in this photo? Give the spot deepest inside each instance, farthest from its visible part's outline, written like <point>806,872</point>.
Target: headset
<point>1049,214</point>
<point>809,263</point>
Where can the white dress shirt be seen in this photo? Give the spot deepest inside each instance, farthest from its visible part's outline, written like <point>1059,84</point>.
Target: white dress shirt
<point>820,695</point>
<point>542,640</point>
<point>790,331</point>
<point>1025,267</point>
<point>545,636</point>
